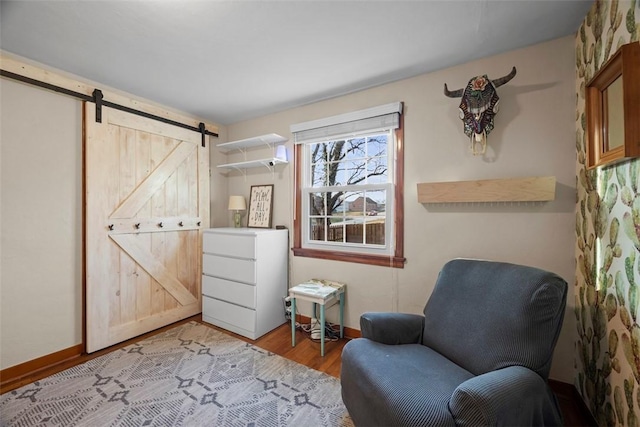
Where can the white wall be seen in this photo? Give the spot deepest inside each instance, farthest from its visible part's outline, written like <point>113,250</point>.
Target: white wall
<point>40,223</point>
<point>534,135</point>
<point>219,201</point>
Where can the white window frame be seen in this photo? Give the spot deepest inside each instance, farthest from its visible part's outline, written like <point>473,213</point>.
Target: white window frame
<point>362,248</point>
<point>388,116</point>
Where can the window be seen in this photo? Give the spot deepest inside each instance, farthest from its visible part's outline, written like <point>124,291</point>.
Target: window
<point>349,187</point>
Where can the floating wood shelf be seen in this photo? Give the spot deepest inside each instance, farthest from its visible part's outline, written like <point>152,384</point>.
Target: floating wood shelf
<point>532,189</point>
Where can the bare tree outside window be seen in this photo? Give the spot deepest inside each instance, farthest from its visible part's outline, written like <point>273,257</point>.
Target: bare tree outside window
<point>350,204</point>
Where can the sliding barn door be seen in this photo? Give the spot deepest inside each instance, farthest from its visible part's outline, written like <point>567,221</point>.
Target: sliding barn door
<point>147,198</point>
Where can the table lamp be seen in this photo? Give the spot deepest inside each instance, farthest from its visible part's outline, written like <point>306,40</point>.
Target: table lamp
<point>237,204</point>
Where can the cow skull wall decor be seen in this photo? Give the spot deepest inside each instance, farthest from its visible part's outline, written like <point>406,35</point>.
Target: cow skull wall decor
<point>478,106</point>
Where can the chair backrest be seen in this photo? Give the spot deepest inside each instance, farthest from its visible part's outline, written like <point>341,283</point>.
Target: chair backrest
<point>486,315</point>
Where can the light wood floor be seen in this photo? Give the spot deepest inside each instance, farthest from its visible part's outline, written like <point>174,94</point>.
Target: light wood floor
<point>306,351</point>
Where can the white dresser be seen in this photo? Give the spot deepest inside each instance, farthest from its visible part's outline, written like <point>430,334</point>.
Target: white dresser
<point>244,279</point>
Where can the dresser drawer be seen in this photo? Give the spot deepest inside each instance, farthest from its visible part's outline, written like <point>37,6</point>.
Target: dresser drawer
<point>235,292</point>
<point>239,270</point>
<point>235,245</point>
<point>228,313</point>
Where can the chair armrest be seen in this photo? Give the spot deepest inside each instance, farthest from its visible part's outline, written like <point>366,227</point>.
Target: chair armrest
<point>392,328</point>
<point>510,396</point>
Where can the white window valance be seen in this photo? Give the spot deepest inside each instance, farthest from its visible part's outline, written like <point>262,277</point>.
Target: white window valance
<point>376,118</point>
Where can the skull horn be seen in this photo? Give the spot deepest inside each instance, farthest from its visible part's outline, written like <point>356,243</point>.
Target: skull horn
<point>502,80</point>
<point>453,94</point>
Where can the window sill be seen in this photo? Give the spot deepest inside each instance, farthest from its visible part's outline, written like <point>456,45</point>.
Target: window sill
<point>383,261</point>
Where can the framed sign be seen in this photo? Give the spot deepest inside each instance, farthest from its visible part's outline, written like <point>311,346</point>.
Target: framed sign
<point>260,206</point>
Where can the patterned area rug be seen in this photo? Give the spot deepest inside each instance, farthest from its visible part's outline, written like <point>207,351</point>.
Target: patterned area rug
<point>191,375</point>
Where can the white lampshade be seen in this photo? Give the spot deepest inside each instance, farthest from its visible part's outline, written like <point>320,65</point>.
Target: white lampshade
<point>281,152</point>
<point>237,203</point>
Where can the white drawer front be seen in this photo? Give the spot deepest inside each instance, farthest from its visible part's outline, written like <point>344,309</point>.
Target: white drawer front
<point>237,293</point>
<point>229,245</point>
<point>239,270</point>
<point>239,316</point>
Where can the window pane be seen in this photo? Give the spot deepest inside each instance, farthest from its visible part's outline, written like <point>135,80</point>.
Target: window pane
<point>335,232</point>
<point>361,202</point>
<point>335,203</point>
<point>377,146</point>
<point>353,231</point>
<point>345,173</point>
<point>376,217</point>
<point>353,202</point>
<point>316,229</point>
<point>377,159</point>
<point>318,152</point>
<point>316,204</point>
<point>376,202</point>
<point>375,231</point>
<point>356,172</point>
<point>336,174</point>
<point>356,149</point>
<point>318,174</point>
<point>334,150</point>
<point>377,172</point>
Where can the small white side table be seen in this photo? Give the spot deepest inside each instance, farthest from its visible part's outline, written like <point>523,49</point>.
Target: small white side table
<point>323,292</point>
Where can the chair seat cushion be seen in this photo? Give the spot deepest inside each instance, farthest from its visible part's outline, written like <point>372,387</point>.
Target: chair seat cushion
<point>408,384</point>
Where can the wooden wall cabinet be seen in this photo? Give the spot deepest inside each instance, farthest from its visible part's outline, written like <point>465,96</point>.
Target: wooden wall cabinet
<point>613,109</point>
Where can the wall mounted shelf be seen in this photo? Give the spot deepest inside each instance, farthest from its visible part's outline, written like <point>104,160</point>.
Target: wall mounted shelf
<point>270,140</point>
<point>268,163</point>
<point>531,189</point>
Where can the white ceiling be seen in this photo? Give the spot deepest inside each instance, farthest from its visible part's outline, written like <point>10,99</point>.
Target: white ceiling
<point>227,61</point>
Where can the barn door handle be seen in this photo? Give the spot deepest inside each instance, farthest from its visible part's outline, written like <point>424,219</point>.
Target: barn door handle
<point>110,227</point>
<point>198,224</point>
<point>181,224</point>
<point>160,224</point>
<point>137,226</point>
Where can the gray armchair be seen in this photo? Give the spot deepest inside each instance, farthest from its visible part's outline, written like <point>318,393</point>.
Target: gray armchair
<point>480,355</point>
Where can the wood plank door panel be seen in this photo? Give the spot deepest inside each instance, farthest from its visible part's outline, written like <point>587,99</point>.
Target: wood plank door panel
<point>147,200</point>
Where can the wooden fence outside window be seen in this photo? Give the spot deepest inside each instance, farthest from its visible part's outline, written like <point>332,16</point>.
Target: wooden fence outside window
<point>351,233</point>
